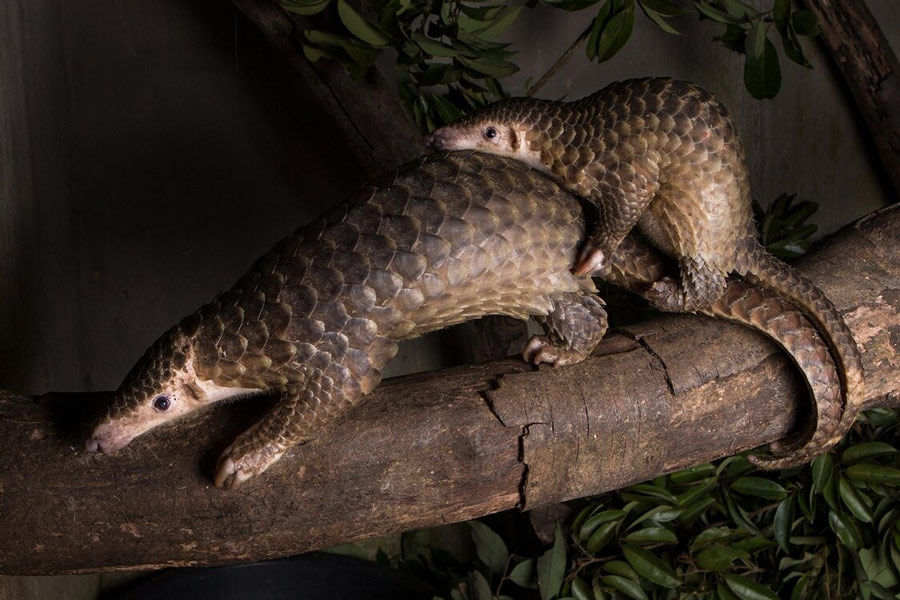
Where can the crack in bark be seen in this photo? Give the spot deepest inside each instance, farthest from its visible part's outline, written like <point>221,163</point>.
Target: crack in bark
<point>643,343</point>
<point>523,481</point>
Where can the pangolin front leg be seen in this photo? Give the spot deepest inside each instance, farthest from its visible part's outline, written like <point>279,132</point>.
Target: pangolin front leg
<point>298,415</point>
<point>573,329</point>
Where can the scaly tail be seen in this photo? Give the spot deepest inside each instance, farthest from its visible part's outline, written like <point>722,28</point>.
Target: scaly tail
<point>833,418</point>
<point>768,313</point>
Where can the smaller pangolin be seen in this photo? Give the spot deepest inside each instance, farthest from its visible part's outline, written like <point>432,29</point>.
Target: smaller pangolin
<point>664,156</point>
<point>445,239</point>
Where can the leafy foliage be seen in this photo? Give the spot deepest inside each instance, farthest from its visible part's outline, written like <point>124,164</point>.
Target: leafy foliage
<point>719,531</point>
<point>450,61</point>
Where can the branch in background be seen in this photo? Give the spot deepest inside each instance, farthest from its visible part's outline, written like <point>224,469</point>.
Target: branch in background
<point>379,133</point>
<point>871,70</point>
<point>560,62</point>
<point>431,449</point>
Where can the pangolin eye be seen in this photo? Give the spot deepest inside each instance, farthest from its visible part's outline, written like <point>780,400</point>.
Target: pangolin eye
<point>162,403</point>
<point>490,133</point>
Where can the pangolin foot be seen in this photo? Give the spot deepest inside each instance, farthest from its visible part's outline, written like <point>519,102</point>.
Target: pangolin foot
<point>665,295</point>
<point>592,260</point>
<point>540,349</point>
<point>237,464</point>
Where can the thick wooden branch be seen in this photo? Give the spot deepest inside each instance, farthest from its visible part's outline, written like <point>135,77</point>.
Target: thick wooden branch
<point>433,448</point>
<point>871,70</point>
<point>379,133</point>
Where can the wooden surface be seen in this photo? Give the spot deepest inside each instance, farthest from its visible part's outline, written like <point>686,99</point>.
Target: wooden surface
<point>436,447</point>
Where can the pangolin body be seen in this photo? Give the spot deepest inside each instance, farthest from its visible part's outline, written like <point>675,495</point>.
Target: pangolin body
<point>445,239</point>
<point>664,156</point>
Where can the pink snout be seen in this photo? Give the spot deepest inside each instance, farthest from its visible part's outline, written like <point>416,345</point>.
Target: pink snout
<point>106,441</point>
<point>439,140</point>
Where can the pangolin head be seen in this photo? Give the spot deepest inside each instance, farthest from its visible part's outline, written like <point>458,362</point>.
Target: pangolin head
<point>160,387</point>
<point>509,127</point>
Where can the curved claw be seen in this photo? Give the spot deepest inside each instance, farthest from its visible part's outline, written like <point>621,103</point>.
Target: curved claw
<point>236,466</point>
<point>591,260</point>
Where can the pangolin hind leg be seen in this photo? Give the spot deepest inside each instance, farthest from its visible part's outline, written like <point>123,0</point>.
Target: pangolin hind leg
<point>574,327</point>
<point>700,286</point>
<point>302,410</point>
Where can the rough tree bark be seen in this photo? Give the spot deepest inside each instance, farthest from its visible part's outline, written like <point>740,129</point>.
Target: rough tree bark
<point>871,70</point>
<point>436,447</point>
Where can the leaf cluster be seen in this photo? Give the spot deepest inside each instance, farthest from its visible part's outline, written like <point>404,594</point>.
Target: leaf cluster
<point>717,531</point>
<point>449,60</point>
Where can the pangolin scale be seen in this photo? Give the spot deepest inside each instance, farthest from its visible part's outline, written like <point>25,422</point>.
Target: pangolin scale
<point>445,239</point>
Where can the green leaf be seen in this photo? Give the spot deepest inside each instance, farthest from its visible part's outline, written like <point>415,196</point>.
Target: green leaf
<point>490,547</point>
<point>623,569</point>
<point>781,525</point>
<point>625,586</point>
<point>762,75</point>
<point>747,589</point>
<point>759,487</point>
<point>601,537</point>
<point>361,27</point>
<point>581,590</point>
<point>693,474</point>
<point>595,521</point>
<point>551,567</point>
<point>739,10</point>
<point>666,8</point>
<point>878,568</point>
<point>612,28</point>
<point>866,451</point>
<point>445,109</point>
<point>755,44</point>
<point>501,23</point>
<point>822,470</point>
<point>657,514</point>
<point>739,516</point>
<point>720,558</point>
<point>697,492</point>
<point>805,23</point>
<point>481,587</point>
<point>523,574</point>
<point>305,7</point>
<point>433,47</point>
<point>658,19</point>
<point>854,500</point>
<point>845,529</point>
<point>713,535</point>
<point>781,12</point>
<point>752,544</point>
<point>711,12</point>
<point>723,592</point>
<point>491,67</point>
<point>874,474</point>
<point>650,567</point>
<point>652,535</point>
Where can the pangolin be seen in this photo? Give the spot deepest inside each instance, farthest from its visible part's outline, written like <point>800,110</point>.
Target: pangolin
<point>664,156</point>
<point>446,238</point>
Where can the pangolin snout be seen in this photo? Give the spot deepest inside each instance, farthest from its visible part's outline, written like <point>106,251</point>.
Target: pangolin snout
<point>101,442</point>
<point>437,140</point>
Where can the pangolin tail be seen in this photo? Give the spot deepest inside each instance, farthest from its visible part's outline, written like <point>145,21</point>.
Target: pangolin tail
<point>833,419</point>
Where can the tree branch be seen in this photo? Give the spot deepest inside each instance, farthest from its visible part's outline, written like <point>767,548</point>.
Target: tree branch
<point>437,447</point>
<point>871,70</point>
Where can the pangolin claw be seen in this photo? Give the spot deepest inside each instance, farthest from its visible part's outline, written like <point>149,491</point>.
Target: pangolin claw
<point>592,260</point>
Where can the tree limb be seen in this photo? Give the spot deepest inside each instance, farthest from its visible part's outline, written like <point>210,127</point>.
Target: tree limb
<point>436,447</point>
<point>871,70</point>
